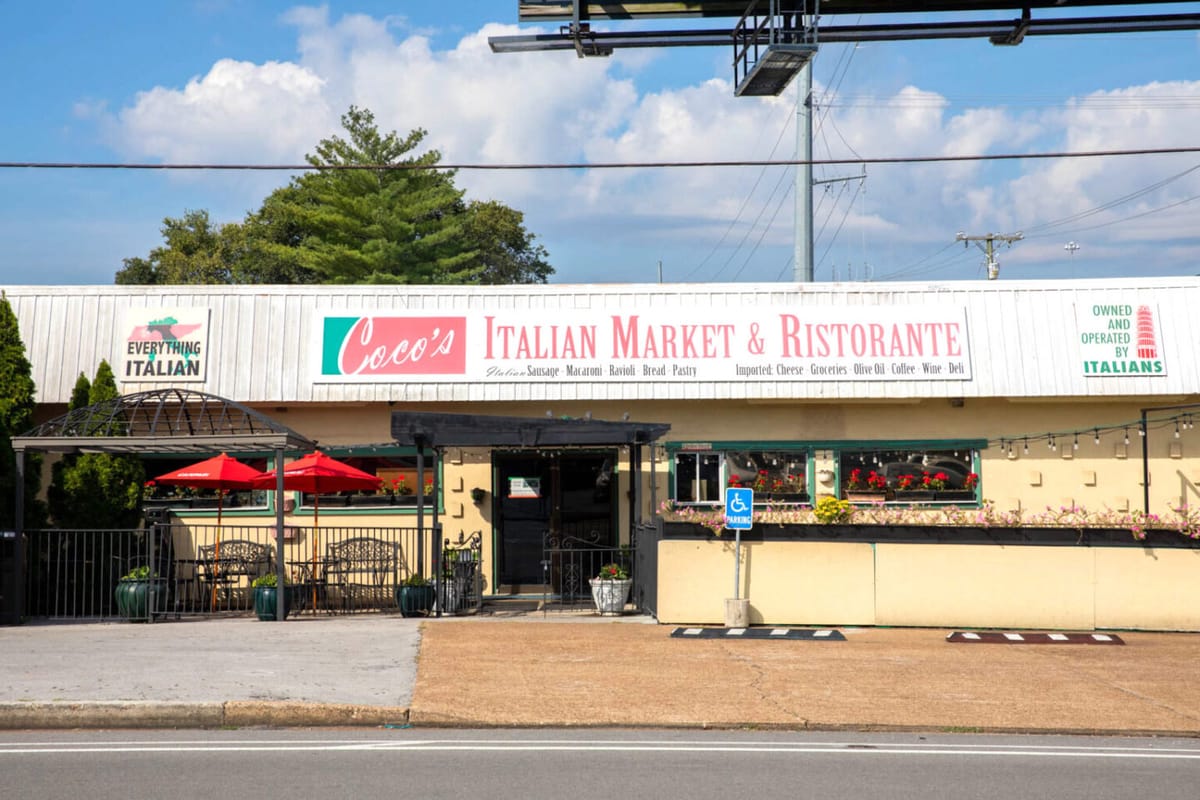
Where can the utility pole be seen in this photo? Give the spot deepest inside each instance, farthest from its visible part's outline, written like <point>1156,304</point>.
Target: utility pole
<point>986,243</point>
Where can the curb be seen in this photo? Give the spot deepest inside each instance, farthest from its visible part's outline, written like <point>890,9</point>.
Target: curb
<point>295,714</point>
<point>233,714</point>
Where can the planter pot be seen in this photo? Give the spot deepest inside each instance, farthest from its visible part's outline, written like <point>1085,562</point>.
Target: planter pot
<point>610,596</point>
<point>415,601</point>
<point>868,496</point>
<point>138,600</point>
<point>266,600</point>
<point>451,597</point>
<point>788,497</point>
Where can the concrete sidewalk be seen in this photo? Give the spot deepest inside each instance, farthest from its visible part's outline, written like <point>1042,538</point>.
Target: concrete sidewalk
<point>534,670</point>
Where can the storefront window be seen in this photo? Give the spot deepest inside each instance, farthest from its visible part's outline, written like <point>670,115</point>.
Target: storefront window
<point>775,475</point>
<point>698,478</point>
<point>909,475</point>
<point>399,488</point>
<point>182,497</point>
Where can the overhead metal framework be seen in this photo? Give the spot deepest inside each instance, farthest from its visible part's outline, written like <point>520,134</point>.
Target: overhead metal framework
<point>163,421</point>
<point>895,20</point>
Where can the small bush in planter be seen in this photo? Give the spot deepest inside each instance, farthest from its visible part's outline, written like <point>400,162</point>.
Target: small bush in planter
<point>140,593</point>
<point>267,597</point>
<point>613,572</point>
<point>414,595</point>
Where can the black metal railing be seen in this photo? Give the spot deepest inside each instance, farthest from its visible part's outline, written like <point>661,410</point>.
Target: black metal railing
<point>571,560</point>
<point>209,569</point>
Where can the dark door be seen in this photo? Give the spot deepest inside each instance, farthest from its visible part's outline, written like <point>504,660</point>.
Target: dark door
<point>565,493</point>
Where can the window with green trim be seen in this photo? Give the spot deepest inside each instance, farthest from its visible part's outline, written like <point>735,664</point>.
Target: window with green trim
<point>776,475</point>
<point>183,497</point>
<point>910,474</point>
<point>398,491</point>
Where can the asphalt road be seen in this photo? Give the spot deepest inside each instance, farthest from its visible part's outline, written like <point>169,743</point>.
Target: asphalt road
<point>594,764</point>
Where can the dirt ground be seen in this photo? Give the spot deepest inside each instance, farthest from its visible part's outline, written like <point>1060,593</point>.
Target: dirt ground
<point>483,672</point>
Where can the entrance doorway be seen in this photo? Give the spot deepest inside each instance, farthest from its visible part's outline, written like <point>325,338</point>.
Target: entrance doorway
<point>567,494</point>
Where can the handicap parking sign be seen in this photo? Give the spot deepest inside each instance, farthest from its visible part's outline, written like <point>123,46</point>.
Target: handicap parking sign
<point>739,509</point>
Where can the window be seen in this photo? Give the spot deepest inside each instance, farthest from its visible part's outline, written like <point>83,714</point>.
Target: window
<point>399,487</point>
<point>911,475</point>
<point>167,496</point>
<point>777,476</point>
<point>698,478</point>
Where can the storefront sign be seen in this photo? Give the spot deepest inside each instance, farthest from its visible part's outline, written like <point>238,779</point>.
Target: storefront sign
<point>164,345</point>
<point>1119,339</point>
<point>754,343</point>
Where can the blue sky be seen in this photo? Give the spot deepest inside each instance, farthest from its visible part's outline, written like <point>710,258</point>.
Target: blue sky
<point>233,81</point>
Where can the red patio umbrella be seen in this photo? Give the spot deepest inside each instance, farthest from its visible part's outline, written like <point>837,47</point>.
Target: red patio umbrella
<point>316,473</point>
<point>221,473</point>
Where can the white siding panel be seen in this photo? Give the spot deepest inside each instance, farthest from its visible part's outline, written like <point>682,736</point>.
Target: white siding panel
<point>1023,337</point>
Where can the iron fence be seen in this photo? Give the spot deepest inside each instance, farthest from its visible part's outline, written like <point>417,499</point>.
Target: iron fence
<point>570,561</point>
<point>209,569</point>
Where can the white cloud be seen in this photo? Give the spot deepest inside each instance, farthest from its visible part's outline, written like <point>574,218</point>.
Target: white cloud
<point>537,108</point>
<point>240,112</point>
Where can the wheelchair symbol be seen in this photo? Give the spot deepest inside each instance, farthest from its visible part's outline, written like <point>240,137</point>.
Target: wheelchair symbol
<point>737,505</point>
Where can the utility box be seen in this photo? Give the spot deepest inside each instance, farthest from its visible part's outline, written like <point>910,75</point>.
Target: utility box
<point>12,578</point>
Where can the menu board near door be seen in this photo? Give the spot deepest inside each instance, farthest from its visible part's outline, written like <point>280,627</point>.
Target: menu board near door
<point>525,487</point>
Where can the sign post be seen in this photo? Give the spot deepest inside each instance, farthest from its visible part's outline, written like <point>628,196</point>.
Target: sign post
<point>739,516</point>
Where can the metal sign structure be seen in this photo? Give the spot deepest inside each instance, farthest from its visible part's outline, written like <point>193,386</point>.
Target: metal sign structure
<point>871,20</point>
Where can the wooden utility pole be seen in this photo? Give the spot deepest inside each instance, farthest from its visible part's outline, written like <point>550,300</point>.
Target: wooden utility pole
<point>986,243</point>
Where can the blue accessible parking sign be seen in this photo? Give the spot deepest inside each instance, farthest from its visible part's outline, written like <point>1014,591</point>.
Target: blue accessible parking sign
<point>739,509</point>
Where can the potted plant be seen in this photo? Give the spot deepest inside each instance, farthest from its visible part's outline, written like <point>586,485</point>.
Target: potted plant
<point>414,596</point>
<point>788,489</point>
<point>400,491</point>
<point>610,589</point>
<point>267,597</point>
<point>866,487</point>
<point>141,593</point>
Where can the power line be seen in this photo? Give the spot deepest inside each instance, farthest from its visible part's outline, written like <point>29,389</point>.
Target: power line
<point>790,162</point>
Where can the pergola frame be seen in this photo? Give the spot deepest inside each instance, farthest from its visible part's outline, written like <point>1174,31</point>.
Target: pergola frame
<point>175,421</point>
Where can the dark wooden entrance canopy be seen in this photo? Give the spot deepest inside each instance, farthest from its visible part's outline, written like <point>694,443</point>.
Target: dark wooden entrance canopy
<point>481,430</point>
<point>439,431</point>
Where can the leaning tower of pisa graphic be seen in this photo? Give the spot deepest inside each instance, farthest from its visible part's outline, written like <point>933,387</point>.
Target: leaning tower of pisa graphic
<point>1147,347</point>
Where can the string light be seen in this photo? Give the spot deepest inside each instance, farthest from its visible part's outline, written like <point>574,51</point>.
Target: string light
<point>1181,422</point>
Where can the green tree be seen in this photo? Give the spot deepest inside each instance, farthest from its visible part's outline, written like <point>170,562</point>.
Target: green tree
<point>193,252</point>
<point>101,490</point>
<point>17,391</point>
<point>405,222</point>
<point>505,251</point>
<point>374,225</point>
<point>56,493</point>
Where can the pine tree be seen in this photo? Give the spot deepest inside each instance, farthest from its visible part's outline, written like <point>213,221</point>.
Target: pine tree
<point>17,391</point>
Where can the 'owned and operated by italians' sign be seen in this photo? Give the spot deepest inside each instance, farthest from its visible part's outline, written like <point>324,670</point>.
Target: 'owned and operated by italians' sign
<point>758,343</point>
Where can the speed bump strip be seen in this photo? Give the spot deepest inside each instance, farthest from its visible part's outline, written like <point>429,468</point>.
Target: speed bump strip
<point>1013,637</point>
<point>792,634</point>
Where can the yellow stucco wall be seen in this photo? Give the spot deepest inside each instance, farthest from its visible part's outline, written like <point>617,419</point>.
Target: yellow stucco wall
<point>990,586</point>
<point>1148,584</point>
<point>940,586</point>
<point>785,582</point>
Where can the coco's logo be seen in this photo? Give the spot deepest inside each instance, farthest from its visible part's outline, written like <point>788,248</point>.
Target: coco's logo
<point>399,345</point>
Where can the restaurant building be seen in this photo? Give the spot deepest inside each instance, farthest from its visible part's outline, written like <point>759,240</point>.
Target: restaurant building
<point>1018,398</point>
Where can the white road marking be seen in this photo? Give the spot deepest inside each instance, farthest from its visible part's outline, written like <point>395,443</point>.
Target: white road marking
<point>828,748</point>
